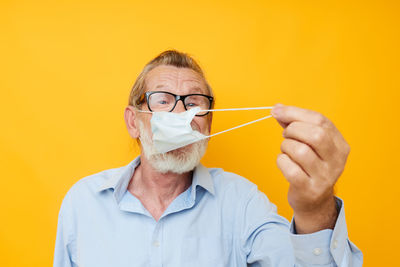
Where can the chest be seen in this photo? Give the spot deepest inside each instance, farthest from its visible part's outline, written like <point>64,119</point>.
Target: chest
<point>201,235</point>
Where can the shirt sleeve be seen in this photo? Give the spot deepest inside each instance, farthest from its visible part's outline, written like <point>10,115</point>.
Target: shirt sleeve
<point>65,236</point>
<point>326,247</point>
<point>269,240</point>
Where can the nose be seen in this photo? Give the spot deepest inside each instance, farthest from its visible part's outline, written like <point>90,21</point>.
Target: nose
<point>179,107</point>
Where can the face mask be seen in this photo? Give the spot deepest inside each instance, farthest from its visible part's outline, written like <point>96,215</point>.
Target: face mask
<point>173,130</point>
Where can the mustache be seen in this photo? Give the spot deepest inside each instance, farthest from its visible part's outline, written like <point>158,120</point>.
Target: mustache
<point>195,126</point>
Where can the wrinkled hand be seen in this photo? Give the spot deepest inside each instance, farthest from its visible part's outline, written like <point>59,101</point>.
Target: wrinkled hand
<point>313,157</point>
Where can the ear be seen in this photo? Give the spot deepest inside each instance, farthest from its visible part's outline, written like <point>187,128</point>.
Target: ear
<point>130,121</point>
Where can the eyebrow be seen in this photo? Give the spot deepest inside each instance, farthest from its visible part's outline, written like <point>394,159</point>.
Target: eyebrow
<point>196,89</point>
<point>160,86</point>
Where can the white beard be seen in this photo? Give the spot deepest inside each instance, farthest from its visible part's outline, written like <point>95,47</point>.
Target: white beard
<point>179,161</point>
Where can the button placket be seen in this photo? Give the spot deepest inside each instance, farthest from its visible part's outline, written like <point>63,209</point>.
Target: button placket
<point>335,244</point>
<point>317,251</point>
<point>156,244</point>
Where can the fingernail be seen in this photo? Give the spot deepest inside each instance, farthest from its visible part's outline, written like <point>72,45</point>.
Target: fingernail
<point>277,110</point>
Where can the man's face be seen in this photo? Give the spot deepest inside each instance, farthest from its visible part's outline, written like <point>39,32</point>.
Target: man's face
<point>179,81</point>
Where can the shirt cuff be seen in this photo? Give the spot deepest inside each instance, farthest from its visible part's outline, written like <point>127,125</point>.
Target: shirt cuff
<point>324,246</point>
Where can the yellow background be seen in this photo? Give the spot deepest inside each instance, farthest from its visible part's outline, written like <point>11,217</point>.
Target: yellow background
<point>67,68</point>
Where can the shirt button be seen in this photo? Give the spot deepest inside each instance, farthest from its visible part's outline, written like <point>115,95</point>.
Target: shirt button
<point>317,251</point>
<point>156,243</point>
<point>335,244</point>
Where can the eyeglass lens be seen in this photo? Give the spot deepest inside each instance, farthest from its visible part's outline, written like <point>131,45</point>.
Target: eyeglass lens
<point>161,101</point>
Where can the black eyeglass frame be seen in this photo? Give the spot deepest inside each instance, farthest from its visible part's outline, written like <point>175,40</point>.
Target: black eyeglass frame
<point>177,98</point>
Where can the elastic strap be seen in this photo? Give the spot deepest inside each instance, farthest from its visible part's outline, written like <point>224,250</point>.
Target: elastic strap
<point>242,125</point>
<point>232,109</point>
<point>222,109</point>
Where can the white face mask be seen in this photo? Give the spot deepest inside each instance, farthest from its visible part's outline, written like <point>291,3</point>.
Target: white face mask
<point>173,130</point>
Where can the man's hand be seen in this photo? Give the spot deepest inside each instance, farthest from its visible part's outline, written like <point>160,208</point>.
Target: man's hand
<point>313,157</point>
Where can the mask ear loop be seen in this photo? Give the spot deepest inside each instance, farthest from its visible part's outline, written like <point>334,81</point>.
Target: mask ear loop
<point>241,125</point>
<point>231,109</point>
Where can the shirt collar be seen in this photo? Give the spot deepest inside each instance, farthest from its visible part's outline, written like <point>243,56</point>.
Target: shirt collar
<point>120,179</point>
<point>202,177</point>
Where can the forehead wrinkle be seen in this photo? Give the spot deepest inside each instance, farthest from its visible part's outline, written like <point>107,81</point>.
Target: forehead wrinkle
<point>193,78</point>
<point>195,86</point>
<point>177,79</point>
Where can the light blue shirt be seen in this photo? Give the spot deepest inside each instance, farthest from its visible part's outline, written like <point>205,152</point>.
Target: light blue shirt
<point>220,220</point>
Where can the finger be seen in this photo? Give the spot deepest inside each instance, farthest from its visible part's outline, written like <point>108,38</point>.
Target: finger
<point>318,138</point>
<point>287,114</point>
<point>282,124</point>
<point>292,172</point>
<point>304,156</point>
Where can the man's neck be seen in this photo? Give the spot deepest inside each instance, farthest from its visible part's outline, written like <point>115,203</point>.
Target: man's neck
<point>157,190</point>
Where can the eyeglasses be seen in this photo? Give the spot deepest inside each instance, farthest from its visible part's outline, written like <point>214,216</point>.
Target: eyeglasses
<point>166,101</point>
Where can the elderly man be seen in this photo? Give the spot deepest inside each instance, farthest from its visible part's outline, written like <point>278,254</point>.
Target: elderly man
<point>166,209</point>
